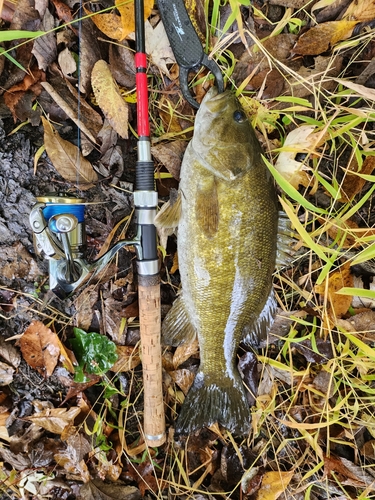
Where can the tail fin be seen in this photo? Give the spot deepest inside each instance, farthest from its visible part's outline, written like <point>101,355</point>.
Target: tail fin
<point>223,401</point>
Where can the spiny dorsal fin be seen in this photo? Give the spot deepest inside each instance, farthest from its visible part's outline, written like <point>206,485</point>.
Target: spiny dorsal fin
<point>207,207</point>
<point>177,328</point>
<point>286,238</point>
<point>170,213</point>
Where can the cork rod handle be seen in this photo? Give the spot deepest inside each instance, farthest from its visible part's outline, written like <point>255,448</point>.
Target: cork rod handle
<point>150,320</point>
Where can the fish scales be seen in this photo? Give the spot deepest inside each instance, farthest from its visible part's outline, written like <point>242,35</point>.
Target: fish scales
<point>227,235</point>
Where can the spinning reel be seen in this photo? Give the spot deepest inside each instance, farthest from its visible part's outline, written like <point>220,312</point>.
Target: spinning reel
<point>58,224</point>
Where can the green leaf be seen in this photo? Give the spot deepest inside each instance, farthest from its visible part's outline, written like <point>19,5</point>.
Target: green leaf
<point>10,35</point>
<point>95,353</point>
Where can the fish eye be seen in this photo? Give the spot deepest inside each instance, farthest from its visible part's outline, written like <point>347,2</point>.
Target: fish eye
<point>239,116</point>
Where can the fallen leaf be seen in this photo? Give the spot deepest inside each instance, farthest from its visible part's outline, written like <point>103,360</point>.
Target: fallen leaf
<point>325,383</point>
<point>55,419</point>
<point>170,155</point>
<point>128,358</point>
<point>361,90</point>
<point>16,262</point>
<point>45,47</point>
<point>158,47</point>
<point>184,352</point>
<point>352,183</point>
<point>337,304</point>
<point>40,348</point>
<point>360,10</point>
<point>78,110</point>
<point>109,99</point>
<point>6,374</point>
<point>319,38</point>
<point>67,63</point>
<point>9,353</point>
<point>119,27</point>
<point>274,483</point>
<point>183,378</point>
<point>98,490</point>
<point>121,62</point>
<point>300,140</point>
<point>67,159</point>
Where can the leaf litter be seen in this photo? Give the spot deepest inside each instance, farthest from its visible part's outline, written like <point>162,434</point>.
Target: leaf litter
<point>305,80</point>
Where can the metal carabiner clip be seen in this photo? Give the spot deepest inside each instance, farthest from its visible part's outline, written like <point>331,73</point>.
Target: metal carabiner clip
<point>186,46</point>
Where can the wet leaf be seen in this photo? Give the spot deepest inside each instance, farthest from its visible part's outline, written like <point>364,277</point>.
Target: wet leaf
<point>45,47</point>
<point>109,99</point>
<point>55,420</point>
<point>274,484</point>
<point>72,458</point>
<point>67,159</point>
<point>40,348</point>
<point>184,352</point>
<point>183,378</point>
<point>128,358</point>
<point>319,38</point>
<point>6,374</point>
<point>95,353</point>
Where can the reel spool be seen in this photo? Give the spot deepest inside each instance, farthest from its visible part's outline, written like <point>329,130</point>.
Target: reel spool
<point>58,224</point>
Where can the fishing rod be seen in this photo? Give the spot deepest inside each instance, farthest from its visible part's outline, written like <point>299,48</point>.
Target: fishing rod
<point>145,202</point>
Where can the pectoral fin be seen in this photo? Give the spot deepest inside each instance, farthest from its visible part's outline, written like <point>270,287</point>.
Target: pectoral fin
<point>177,328</point>
<point>253,334</point>
<point>207,207</point>
<point>170,213</point>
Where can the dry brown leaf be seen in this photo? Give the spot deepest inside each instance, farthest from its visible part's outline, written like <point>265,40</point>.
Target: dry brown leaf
<point>55,419</point>
<point>128,358</point>
<point>16,262</point>
<point>109,99</point>
<point>40,348</point>
<point>350,230</point>
<point>360,10</point>
<point>319,38</point>
<point>274,483</point>
<point>67,159</point>
<point>99,490</point>
<point>353,184</point>
<point>170,155</point>
<point>184,351</point>
<point>338,304</point>
<point>158,47</point>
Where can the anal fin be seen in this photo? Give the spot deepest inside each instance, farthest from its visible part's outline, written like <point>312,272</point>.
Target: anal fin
<point>255,333</point>
<point>177,328</point>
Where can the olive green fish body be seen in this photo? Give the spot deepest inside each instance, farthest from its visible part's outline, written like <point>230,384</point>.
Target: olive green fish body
<point>226,246</point>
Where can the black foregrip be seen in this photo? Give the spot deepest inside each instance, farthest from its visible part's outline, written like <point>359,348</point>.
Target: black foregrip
<point>144,176</point>
<point>148,238</point>
<point>182,36</point>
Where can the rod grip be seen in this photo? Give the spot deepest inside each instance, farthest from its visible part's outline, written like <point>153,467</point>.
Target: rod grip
<point>150,320</point>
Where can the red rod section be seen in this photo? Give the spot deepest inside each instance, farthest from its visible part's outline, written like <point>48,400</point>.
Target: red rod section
<point>143,125</point>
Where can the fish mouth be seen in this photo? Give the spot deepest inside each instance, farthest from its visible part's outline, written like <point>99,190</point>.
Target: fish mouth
<point>215,101</point>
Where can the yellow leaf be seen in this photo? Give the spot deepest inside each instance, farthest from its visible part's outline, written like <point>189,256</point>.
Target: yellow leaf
<point>109,24</point>
<point>67,158</point>
<point>319,38</point>
<point>109,99</point>
<point>55,419</point>
<point>119,27</point>
<point>274,484</point>
<point>126,9</point>
<point>360,10</point>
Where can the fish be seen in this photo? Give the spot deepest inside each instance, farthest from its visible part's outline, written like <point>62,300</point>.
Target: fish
<point>226,215</point>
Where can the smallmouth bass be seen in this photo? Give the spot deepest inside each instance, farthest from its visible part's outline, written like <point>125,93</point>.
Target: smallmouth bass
<point>227,220</point>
